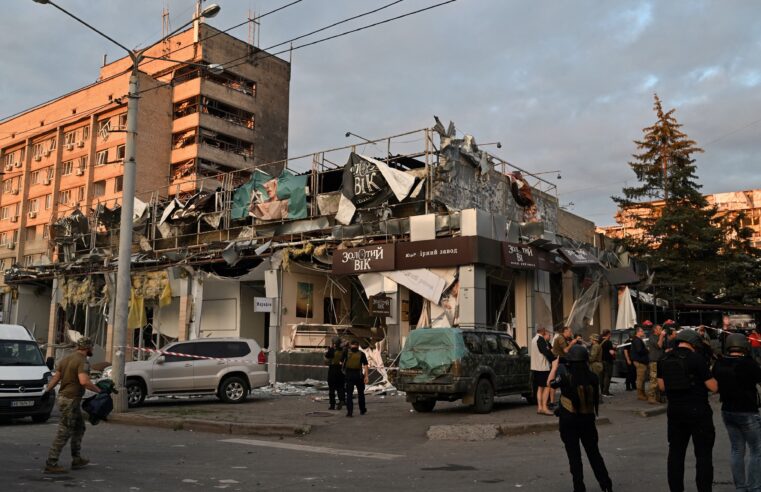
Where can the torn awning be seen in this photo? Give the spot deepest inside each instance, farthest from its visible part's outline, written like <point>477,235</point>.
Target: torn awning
<point>368,182</point>
<point>621,276</point>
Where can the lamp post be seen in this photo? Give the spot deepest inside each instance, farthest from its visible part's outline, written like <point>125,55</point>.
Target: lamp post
<point>123,279</point>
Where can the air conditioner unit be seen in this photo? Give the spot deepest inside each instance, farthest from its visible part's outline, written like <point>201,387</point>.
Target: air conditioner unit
<point>38,158</point>
<point>18,163</point>
<point>81,144</point>
<point>14,192</point>
<point>47,153</point>
<point>80,172</point>
<point>14,218</point>
<point>11,245</point>
<point>32,215</point>
<point>69,146</point>
<point>9,167</point>
<point>46,181</point>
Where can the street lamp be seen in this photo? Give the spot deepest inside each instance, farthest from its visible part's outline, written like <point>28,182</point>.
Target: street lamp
<point>349,134</point>
<point>123,279</point>
<point>498,144</point>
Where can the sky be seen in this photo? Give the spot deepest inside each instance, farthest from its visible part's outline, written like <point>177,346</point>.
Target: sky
<point>563,86</point>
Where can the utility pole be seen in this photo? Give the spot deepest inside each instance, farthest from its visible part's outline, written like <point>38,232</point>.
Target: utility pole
<point>123,277</point>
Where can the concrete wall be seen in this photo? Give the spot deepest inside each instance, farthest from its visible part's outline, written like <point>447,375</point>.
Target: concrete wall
<point>272,76</point>
<point>220,314</point>
<point>31,309</point>
<point>575,227</point>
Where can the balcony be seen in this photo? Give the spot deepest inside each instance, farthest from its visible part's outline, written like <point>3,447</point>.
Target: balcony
<point>211,153</point>
<point>228,91</point>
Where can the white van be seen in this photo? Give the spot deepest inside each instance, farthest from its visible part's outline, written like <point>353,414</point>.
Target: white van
<point>24,373</point>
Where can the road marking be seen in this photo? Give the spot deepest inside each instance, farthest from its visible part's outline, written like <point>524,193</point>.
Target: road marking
<point>314,449</point>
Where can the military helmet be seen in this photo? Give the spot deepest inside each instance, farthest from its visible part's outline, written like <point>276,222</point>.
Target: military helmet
<point>689,336</point>
<point>577,353</point>
<point>84,343</point>
<point>736,342</point>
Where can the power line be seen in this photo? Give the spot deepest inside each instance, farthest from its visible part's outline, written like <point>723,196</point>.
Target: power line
<point>337,23</point>
<point>335,36</point>
<point>734,131</point>
<point>255,57</point>
<point>236,26</point>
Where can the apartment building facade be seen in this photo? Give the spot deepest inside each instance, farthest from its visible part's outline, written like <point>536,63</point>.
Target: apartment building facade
<point>193,125</point>
<point>729,205</point>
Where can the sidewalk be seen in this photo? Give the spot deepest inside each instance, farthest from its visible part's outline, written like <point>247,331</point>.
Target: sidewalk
<point>389,416</point>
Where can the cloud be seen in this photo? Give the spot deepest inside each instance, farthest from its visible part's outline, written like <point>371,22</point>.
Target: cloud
<point>566,85</point>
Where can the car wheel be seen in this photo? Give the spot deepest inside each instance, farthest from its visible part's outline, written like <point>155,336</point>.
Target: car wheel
<point>484,396</point>
<point>40,418</point>
<point>135,392</point>
<point>233,390</point>
<point>424,406</point>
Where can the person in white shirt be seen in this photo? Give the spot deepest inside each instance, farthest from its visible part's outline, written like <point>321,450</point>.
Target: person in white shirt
<point>541,360</point>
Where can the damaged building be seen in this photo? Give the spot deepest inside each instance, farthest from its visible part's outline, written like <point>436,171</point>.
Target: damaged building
<point>420,229</point>
<point>62,163</point>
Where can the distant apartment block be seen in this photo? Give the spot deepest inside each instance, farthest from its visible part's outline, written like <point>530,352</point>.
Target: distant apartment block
<point>729,205</point>
<point>67,153</point>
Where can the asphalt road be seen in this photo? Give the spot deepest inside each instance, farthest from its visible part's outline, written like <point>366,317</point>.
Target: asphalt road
<point>344,458</point>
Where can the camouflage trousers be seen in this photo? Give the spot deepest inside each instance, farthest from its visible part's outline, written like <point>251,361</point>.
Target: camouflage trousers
<point>71,426</point>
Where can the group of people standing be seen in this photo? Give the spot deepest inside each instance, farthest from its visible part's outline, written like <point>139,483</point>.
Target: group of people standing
<point>546,351</point>
<point>679,374</point>
<point>348,369</point>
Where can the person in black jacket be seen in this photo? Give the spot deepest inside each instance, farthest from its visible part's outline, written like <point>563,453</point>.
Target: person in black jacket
<point>608,360</point>
<point>738,375</point>
<point>640,358</point>
<point>685,378</point>
<point>579,401</point>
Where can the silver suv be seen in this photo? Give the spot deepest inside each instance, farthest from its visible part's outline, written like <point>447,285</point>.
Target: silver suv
<point>237,366</point>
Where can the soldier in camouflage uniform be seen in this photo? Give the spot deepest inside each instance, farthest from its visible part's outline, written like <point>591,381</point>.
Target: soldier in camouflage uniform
<point>73,372</point>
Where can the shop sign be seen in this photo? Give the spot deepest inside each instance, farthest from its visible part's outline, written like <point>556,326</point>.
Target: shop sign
<point>262,304</point>
<point>375,258</point>
<point>380,305</point>
<point>520,256</point>
<point>436,253</point>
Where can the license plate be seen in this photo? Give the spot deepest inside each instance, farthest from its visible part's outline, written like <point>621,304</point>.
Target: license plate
<point>22,403</point>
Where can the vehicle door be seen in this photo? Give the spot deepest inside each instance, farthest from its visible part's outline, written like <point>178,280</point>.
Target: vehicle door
<point>519,363</point>
<point>473,359</point>
<point>174,373</point>
<point>497,359</point>
<point>206,370</point>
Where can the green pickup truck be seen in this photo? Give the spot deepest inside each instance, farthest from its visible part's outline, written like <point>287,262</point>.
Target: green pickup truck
<point>448,364</point>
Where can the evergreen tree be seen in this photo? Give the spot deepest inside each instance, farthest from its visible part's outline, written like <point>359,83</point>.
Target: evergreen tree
<point>681,239</point>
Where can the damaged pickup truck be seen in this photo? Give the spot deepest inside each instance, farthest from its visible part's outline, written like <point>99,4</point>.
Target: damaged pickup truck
<point>448,364</point>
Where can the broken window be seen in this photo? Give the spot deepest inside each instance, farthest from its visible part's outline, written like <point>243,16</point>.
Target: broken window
<point>101,158</point>
<point>98,189</point>
<point>180,140</point>
<point>67,168</point>
<point>118,184</point>
<point>120,152</point>
<point>64,197</point>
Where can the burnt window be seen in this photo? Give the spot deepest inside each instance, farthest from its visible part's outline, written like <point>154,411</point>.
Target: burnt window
<point>472,342</point>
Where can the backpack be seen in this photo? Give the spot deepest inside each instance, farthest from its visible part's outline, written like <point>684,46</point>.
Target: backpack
<point>676,373</point>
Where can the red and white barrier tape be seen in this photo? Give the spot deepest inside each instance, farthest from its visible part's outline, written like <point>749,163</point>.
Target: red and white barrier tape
<point>203,357</point>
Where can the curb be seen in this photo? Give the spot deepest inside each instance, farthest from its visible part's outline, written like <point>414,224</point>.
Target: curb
<point>213,426</point>
<point>651,412</point>
<point>484,432</point>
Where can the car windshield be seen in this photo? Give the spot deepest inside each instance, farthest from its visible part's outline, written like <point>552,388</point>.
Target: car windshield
<point>20,353</point>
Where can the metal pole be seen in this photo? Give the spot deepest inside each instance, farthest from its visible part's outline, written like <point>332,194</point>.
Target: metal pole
<point>123,279</point>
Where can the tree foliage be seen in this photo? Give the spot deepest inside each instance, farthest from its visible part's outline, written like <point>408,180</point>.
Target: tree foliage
<point>692,251</point>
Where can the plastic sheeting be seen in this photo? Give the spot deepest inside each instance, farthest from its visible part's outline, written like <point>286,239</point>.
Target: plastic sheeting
<point>432,351</point>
